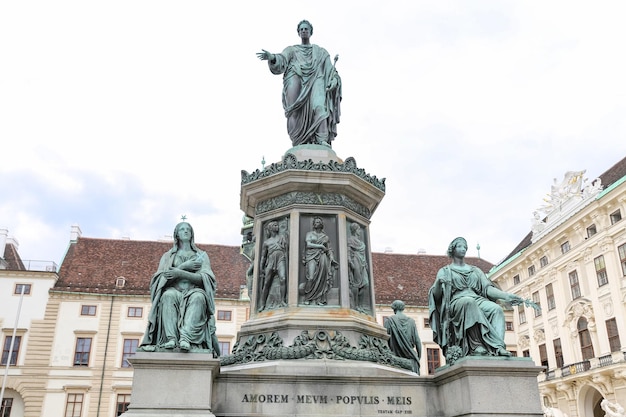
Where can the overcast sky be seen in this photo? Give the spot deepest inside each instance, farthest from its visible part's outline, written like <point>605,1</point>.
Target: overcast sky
<point>121,116</point>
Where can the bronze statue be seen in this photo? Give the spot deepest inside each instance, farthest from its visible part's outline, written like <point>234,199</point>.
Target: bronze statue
<point>311,89</point>
<point>183,299</point>
<point>403,338</point>
<point>273,266</point>
<point>320,265</point>
<point>464,317</point>
<point>358,274</point>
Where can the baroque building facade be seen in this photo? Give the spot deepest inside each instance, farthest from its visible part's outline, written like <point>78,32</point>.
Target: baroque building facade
<point>573,264</point>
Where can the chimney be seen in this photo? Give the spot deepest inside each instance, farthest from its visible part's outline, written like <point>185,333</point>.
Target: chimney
<point>75,233</point>
<point>4,232</point>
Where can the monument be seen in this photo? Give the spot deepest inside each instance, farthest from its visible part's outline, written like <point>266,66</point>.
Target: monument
<point>312,345</point>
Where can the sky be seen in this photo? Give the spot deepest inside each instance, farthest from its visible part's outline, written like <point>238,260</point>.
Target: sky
<point>122,116</point>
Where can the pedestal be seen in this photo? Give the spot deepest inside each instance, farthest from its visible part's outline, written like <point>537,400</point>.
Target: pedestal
<point>172,384</point>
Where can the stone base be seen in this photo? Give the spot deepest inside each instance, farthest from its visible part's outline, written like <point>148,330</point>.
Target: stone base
<point>316,153</point>
<point>172,384</point>
<point>489,387</point>
<point>311,388</point>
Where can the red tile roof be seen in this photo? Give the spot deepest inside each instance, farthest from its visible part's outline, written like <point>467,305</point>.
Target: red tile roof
<point>93,265</point>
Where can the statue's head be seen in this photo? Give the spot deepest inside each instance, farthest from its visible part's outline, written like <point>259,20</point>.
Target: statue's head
<point>397,305</point>
<point>305,22</point>
<point>177,231</point>
<point>454,244</point>
<point>272,225</point>
<point>354,227</point>
<point>318,222</point>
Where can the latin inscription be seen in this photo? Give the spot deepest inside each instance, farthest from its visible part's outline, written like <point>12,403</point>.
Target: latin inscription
<point>373,400</point>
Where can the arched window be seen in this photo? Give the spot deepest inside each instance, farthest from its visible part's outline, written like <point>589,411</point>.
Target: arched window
<point>586,346</point>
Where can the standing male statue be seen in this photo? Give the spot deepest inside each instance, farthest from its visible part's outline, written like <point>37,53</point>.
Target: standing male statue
<point>273,267</point>
<point>311,89</point>
<point>403,338</point>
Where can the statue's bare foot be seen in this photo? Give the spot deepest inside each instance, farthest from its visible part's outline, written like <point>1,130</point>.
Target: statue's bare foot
<point>171,344</point>
<point>479,351</point>
<point>147,348</point>
<point>504,352</point>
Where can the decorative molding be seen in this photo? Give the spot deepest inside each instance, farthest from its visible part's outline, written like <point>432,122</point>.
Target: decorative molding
<point>290,162</point>
<point>578,309</point>
<point>565,199</point>
<point>313,344</point>
<point>539,336</point>
<point>310,198</point>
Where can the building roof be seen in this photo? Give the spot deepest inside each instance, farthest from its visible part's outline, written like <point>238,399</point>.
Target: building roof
<point>608,178</point>
<point>93,266</point>
<point>12,258</point>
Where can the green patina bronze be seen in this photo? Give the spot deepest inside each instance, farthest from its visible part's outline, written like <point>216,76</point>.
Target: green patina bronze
<point>290,162</point>
<point>403,338</point>
<point>311,89</point>
<point>182,290</point>
<point>464,315</point>
<point>313,344</point>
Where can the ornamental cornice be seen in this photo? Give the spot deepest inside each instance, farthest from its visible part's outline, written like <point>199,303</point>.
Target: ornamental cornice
<point>290,162</point>
<point>313,344</point>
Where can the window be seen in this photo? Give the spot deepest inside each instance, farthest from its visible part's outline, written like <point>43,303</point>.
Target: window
<point>543,355</point>
<point>14,353</point>
<point>88,311</point>
<point>508,325</point>
<point>591,230</point>
<point>616,216</point>
<point>574,284</point>
<point>5,408</point>
<point>83,348</point>
<point>122,403</point>
<point>613,334</point>
<point>531,270</point>
<point>135,311</point>
<point>516,279</point>
<point>537,301</point>
<point>558,352</point>
<point>130,347</point>
<point>432,356</point>
<point>224,315</point>
<point>622,257</point>
<point>550,297</point>
<point>526,353</point>
<point>603,278</point>
<point>74,405</point>
<point>20,287</point>
<point>565,247</point>
<point>426,323</point>
<point>543,261</point>
<point>224,348</point>
<point>586,346</point>
<point>521,313</point>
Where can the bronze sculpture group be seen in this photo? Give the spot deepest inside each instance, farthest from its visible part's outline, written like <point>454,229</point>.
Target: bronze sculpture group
<point>464,313</point>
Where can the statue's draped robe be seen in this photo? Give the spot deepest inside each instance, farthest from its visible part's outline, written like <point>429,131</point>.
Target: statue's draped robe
<point>318,283</point>
<point>311,66</point>
<point>465,316</point>
<point>190,311</point>
<point>276,255</point>
<point>358,275</point>
<point>403,339</point>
